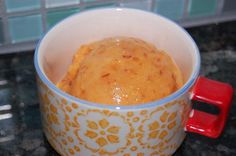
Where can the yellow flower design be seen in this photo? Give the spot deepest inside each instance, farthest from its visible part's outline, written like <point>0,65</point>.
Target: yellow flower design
<point>52,117</point>
<point>134,151</point>
<point>102,132</point>
<point>169,122</point>
<point>159,129</point>
<point>154,130</point>
<point>50,110</point>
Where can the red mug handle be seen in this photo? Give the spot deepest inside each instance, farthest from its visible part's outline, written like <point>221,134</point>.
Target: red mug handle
<point>214,93</point>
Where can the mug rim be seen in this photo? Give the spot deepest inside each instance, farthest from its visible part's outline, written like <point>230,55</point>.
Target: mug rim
<point>191,80</point>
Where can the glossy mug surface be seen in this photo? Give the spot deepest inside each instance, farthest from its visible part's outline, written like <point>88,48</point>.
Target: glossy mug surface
<point>78,127</point>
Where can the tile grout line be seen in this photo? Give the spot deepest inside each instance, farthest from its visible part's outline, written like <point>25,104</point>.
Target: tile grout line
<point>1,23</point>
<point>6,32</point>
<point>43,15</point>
<point>186,9</point>
<point>220,6</point>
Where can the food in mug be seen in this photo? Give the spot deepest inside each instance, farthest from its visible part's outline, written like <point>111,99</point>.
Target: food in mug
<point>121,71</point>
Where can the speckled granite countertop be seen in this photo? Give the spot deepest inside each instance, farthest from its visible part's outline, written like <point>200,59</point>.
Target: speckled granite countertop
<point>20,126</point>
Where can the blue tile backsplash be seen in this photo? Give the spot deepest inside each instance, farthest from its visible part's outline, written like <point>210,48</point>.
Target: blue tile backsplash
<point>54,17</point>
<point>23,22</point>
<point>25,28</point>
<point>22,5</point>
<point>202,7</point>
<point>140,4</point>
<point>100,5</point>
<point>89,1</point>
<point>172,9</point>
<point>57,3</point>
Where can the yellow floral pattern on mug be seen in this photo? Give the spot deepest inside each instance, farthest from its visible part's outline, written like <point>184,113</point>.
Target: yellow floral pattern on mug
<point>160,127</point>
<point>51,112</point>
<point>100,133</point>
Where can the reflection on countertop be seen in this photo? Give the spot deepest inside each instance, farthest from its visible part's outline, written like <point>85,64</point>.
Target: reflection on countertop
<point>20,126</point>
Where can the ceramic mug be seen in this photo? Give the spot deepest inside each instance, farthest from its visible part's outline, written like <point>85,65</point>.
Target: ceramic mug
<point>78,127</point>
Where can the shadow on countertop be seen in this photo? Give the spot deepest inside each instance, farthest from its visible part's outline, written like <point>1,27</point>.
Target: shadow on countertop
<point>20,125</point>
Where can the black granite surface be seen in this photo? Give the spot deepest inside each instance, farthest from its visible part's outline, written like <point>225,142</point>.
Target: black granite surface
<point>20,126</point>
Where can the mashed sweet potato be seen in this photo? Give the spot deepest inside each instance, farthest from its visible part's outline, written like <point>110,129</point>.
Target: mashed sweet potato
<point>121,71</point>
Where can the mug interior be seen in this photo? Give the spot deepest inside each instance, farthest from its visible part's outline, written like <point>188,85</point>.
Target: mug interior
<point>56,49</point>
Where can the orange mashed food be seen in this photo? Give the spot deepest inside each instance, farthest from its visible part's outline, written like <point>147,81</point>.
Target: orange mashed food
<point>121,71</point>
